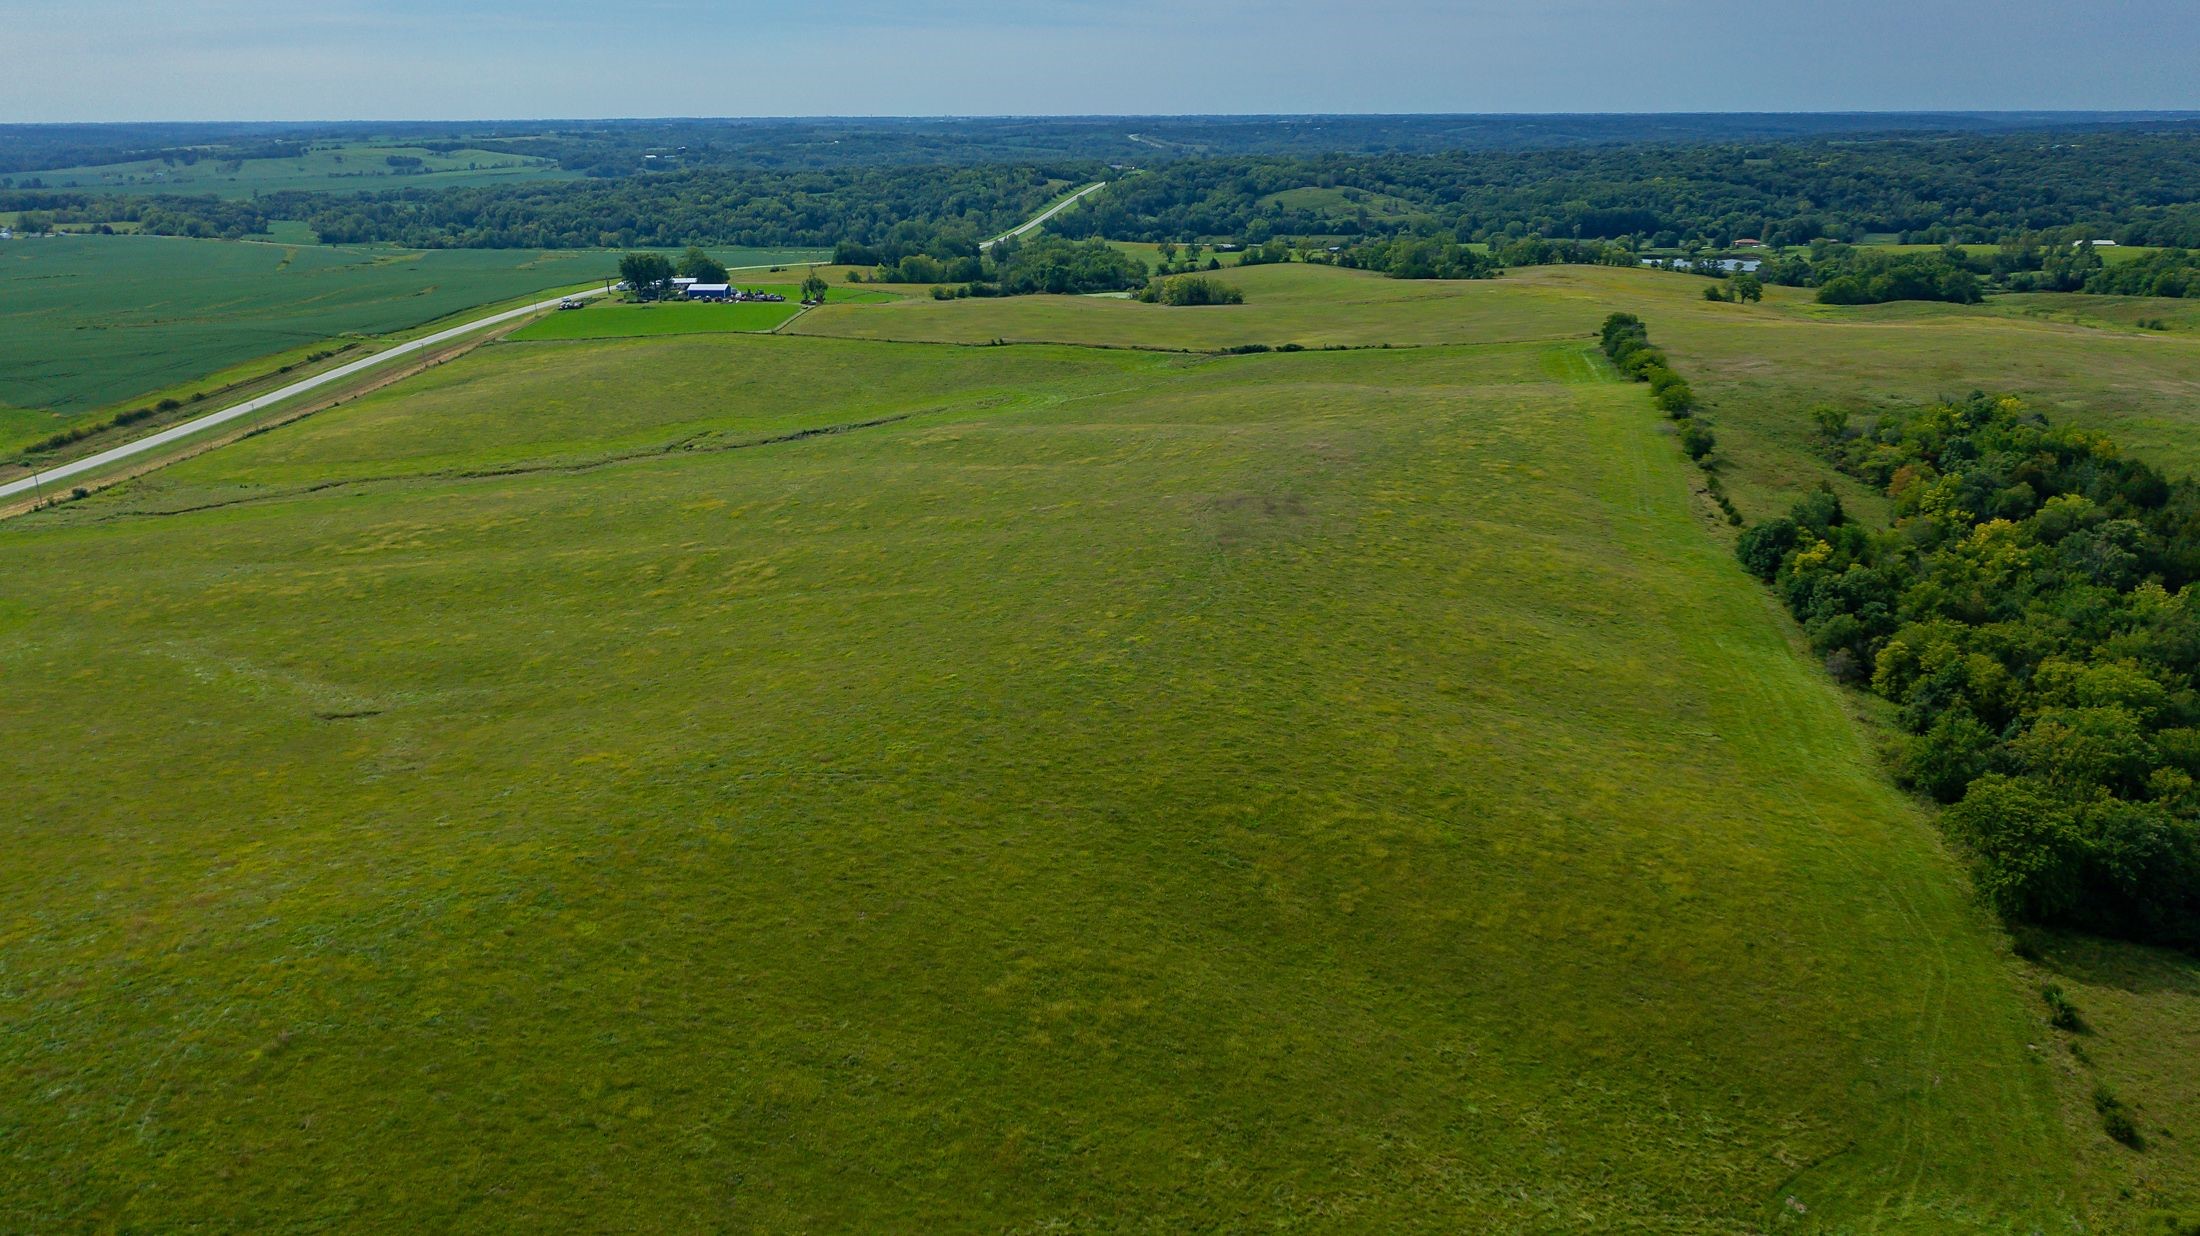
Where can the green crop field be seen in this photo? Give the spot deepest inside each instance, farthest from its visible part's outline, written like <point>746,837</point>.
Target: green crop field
<point>816,781</point>
<point>352,167</point>
<point>89,322</point>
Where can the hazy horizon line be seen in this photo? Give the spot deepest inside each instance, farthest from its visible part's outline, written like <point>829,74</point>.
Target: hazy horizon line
<point>1990,112</point>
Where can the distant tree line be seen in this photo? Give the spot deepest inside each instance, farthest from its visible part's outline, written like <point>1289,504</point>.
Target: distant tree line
<point>1975,189</point>
<point>1422,257</point>
<point>614,148</point>
<point>2032,613</point>
<point>724,208</point>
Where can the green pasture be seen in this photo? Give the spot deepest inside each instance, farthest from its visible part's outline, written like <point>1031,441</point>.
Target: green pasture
<point>91,322</point>
<point>1762,366</point>
<point>1150,253</point>
<point>618,320</point>
<point>1331,200</point>
<point>289,232</point>
<point>356,167</point>
<point>2110,254</point>
<point>614,321</point>
<point>809,782</point>
<point>1310,305</point>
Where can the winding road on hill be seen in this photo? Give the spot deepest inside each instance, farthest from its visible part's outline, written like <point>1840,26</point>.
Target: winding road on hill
<point>1047,214</point>
<point>59,473</point>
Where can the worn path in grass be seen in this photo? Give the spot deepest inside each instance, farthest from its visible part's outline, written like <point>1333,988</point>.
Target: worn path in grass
<point>1092,789</point>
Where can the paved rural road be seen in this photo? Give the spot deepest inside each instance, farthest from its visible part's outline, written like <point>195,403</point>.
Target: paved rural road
<point>54,475</point>
<point>1046,214</point>
<point>90,463</point>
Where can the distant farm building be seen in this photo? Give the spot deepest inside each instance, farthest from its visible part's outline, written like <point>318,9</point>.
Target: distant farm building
<point>1732,266</point>
<point>726,291</point>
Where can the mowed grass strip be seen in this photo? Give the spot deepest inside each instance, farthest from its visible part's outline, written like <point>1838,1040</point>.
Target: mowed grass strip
<point>623,320</point>
<point>1336,790</point>
<point>617,321</point>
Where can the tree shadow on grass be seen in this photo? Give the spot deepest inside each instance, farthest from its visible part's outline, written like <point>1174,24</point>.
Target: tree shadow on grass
<point>2137,968</point>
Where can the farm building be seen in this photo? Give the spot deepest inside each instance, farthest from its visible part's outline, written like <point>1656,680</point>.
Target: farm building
<point>709,291</point>
<point>1732,266</point>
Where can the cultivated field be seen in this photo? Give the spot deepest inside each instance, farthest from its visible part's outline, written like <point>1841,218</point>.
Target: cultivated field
<point>352,167</point>
<point>817,782</point>
<point>90,322</point>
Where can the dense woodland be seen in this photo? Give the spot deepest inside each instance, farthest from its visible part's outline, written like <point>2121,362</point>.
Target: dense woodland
<point>2133,186</point>
<point>703,207</point>
<point>2033,614</point>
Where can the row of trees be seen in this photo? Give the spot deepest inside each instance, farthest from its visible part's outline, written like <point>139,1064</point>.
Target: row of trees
<point>2031,611</point>
<point>1626,341</point>
<point>2171,272</point>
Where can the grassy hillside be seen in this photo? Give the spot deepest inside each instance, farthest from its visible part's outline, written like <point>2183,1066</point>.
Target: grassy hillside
<point>617,321</point>
<point>1339,789</point>
<point>1762,367</point>
<point>88,322</point>
<point>1309,305</point>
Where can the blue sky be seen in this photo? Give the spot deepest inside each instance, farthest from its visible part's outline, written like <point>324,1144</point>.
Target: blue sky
<point>497,59</point>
